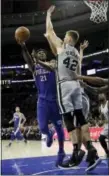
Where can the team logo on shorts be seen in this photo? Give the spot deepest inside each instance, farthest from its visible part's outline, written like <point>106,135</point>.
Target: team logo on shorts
<point>59,122</point>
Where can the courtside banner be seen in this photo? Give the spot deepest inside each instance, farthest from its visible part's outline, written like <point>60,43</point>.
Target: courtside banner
<point>94,133</point>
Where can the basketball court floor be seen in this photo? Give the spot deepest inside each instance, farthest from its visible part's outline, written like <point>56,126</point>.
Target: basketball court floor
<point>34,158</point>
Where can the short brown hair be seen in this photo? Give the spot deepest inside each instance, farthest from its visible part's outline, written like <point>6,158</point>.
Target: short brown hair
<point>74,35</point>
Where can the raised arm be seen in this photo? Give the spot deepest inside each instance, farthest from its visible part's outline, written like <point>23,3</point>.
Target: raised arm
<point>56,41</point>
<point>27,57</point>
<point>53,48</point>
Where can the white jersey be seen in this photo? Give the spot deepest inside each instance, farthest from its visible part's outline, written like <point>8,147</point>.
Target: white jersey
<point>105,111</point>
<point>67,63</point>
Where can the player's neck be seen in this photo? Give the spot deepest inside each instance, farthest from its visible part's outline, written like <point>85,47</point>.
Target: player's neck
<point>70,43</point>
<point>104,102</point>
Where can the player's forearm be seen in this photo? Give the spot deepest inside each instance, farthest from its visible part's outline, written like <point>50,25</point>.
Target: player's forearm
<point>54,50</point>
<point>49,25</point>
<point>23,121</point>
<point>81,55</point>
<point>93,80</point>
<point>27,57</point>
<point>11,121</point>
<point>46,65</point>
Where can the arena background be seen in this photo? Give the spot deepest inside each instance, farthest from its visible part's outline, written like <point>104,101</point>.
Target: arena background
<point>69,15</point>
<point>17,85</point>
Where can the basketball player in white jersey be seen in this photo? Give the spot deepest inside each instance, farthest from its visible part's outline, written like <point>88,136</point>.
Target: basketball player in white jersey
<point>91,91</point>
<point>69,89</point>
<point>104,111</point>
<point>19,121</point>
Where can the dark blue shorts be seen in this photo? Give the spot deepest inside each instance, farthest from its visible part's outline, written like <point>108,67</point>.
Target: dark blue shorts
<point>18,135</point>
<point>48,111</point>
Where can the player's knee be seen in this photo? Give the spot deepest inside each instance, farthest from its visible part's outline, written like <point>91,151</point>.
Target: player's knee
<point>68,120</point>
<point>80,117</point>
<point>102,138</point>
<point>12,136</point>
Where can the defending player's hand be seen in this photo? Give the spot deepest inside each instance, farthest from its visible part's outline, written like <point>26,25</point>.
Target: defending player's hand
<point>84,45</point>
<point>51,9</point>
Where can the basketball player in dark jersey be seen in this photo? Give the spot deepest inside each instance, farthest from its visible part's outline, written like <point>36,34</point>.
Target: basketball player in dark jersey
<point>47,106</point>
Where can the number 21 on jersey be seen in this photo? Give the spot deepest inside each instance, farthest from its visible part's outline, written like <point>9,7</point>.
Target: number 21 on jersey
<point>43,78</point>
<point>72,66</point>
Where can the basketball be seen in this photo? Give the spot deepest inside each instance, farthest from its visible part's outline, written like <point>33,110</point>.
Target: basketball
<point>22,34</point>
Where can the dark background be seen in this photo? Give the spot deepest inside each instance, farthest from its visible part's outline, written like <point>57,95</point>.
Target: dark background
<point>32,14</point>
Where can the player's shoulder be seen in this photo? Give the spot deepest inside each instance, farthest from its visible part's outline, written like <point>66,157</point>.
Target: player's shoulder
<point>21,114</point>
<point>77,52</point>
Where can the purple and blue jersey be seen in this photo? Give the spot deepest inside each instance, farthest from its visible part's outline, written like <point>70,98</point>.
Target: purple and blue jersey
<point>16,119</point>
<point>46,83</point>
<point>47,106</point>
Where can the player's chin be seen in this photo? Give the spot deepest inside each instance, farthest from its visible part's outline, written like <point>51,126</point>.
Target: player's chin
<point>43,59</point>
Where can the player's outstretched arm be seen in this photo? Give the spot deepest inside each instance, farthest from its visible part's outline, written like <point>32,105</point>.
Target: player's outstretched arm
<point>53,48</point>
<point>56,41</point>
<point>27,57</point>
<point>93,80</point>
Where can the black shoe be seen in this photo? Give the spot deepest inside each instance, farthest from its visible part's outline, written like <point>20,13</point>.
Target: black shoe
<point>92,165</point>
<point>81,154</point>
<point>91,156</point>
<point>75,160</point>
<point>72,162</point>
<point>93,159</point>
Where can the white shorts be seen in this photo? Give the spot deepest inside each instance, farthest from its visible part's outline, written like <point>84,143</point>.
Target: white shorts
<point>105,131</point>
<point>69,96</point>
<point>86,108</point>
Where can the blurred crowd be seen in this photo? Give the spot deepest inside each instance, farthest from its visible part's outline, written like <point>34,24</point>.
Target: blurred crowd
<point>27,103</point>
